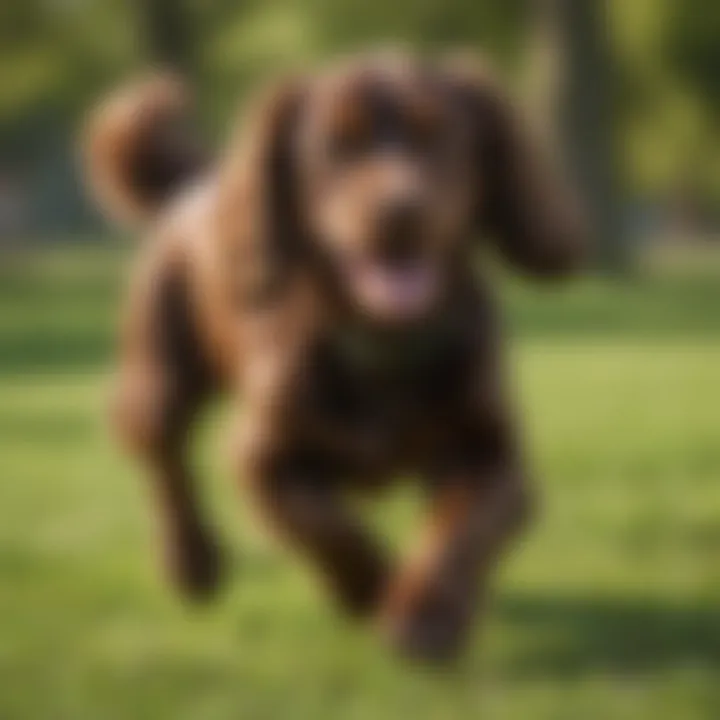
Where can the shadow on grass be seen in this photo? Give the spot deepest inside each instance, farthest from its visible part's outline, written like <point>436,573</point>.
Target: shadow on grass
<point>58,311</point>
<point>573,636</point>
<point>651,308</point>
<point>56,352</point>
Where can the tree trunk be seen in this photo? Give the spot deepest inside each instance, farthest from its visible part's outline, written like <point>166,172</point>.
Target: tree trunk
<point>166,34</point>
<point>575,35</point>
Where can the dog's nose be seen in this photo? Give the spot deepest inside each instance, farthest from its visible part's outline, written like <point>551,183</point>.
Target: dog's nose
<point>400,227</point>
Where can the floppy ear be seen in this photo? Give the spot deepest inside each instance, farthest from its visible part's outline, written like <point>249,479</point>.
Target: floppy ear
<point>259,216</point>
<point>522,203</point>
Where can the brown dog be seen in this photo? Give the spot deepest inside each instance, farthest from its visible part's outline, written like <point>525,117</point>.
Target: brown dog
<point>322,271</point>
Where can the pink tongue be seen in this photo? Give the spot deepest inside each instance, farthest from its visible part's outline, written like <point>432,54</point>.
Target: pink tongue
<point>396,293</point>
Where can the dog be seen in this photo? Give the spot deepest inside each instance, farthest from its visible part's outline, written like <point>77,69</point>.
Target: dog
<point>326,271</point>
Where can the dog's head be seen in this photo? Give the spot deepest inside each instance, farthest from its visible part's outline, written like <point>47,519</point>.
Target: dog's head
<point>382,172</point>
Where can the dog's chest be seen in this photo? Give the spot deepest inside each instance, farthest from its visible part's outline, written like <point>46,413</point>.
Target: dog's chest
<point>382,413</point>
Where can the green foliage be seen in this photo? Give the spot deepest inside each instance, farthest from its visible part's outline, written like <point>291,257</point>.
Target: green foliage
<point>691,37</point>
<point>58,56</point>
<point>432,23</point>
<point>669,60</point>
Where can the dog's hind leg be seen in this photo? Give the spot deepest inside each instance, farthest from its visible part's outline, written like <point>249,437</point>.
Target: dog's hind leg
<point>164,384</point>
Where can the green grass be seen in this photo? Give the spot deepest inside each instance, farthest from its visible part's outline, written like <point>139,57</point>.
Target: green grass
<point>610,609</point>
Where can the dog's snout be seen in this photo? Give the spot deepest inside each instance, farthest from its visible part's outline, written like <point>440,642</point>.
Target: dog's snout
<point>401,216</point>
<point>400,227</point>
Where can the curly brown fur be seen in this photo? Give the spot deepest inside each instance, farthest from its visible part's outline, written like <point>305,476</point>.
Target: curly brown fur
<point>321,274</point>
<point>138,148</point>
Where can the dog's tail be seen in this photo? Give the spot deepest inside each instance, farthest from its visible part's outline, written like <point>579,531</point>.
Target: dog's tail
<point>138,148</point>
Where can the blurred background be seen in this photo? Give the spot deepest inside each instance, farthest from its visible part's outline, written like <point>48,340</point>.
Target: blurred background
<point>629,91</point>
<point>612,607</point>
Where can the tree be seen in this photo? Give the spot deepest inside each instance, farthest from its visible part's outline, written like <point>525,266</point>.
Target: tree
<point>582,115</point>
<point>165,29</point>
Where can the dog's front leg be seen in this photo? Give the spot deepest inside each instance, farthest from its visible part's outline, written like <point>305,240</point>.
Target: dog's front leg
<point>429,609</point>
<point>309,513</point>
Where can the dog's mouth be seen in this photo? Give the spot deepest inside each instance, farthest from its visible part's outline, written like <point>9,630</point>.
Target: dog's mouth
<point>394,292</point>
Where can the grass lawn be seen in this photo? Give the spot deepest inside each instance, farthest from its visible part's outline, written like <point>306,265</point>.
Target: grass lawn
<point>610,609</point>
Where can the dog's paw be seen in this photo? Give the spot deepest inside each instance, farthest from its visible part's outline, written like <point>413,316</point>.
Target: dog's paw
<point>196,564</point>
<point>433,628</point>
